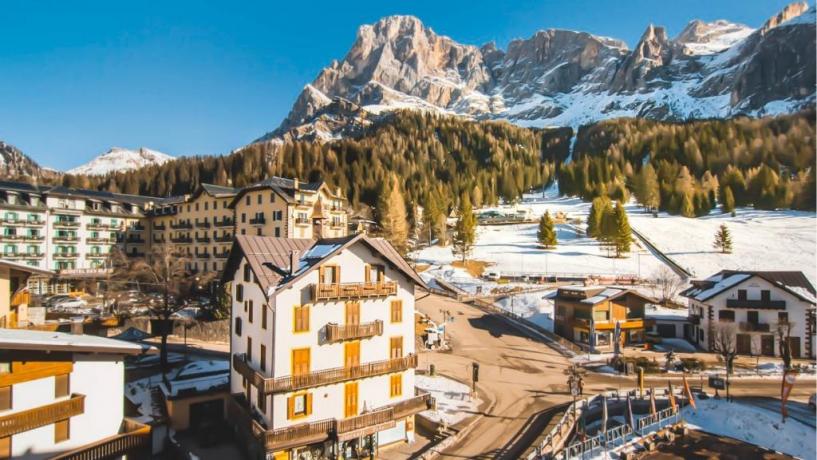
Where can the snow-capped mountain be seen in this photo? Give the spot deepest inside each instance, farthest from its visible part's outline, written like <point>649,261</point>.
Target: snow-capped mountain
<point>121,159</point>
<point>14,164</point>
<point>563,78</point>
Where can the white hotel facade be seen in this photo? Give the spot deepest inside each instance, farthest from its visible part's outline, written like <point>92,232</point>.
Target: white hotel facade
<point>322,345</point>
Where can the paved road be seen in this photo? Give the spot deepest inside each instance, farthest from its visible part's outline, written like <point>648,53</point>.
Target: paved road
<point>522,376</point>
<point>797,410</point>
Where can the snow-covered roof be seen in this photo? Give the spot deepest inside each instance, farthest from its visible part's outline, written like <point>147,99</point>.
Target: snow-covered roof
<point>23,339</point>
<point>795,282</point>
<point>653,311</point>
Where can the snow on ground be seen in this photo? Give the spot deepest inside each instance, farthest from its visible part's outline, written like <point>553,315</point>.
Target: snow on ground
<point>762,240</point>
<point>454,401</point>
<point>659,312</point>
<point>536,307</point>
<point>679,345</point>
<point>138,392</point>
<point>753,425</point>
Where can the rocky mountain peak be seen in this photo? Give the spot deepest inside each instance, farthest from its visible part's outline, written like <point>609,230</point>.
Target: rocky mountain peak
<point>791,11</point>
<point>701,38</point>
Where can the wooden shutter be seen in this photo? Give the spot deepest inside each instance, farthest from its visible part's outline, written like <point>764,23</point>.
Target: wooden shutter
<point>249,349</point>
<point>396,347</point>
<point>367,273</point>
<point>300,318</point>
<point>62,385</point>
<point>264,316</point>
<point>250,307</point>
<point>350,399</point>
<point>5,448</point>
<point>263,357</point>
<point>352,354</point>
<point>290,407</point>
<point>309,404</point>
<point>5,399</point>
<point>62,430</point>
<point>352,313</point>
<point>396,385</point>
<point>300,361</point>
<point>396,311</point>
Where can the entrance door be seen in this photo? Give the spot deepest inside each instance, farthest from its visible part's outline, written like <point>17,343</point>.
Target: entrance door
<point>206,413</point>
<point>352,313</point>
<point>352,354</point>
<point>794,346</point>
<point>350,399</point>
<point>744,344</point>
<point>767,345</point>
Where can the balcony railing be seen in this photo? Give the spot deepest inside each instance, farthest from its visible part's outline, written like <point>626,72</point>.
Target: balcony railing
<point>223,223</point>
<point>202,255</point>
<point>30,419</point>
<point>181,225</point>
<point>182,240</point>
<point>159,226</point>
<point>754,327</point>
<point>301,221</point>
<point>223,239</point>
<point>133,441</point>
<point>202,239</point>
<point>66,223</point>
<point>260,220</point>
<point>96,255</point>
<point>139,240</point>
<point>32,255</point>
<point>203,224</point>
<point>324,377</point>
<point>98,239</point>
<point>321,430</point>
<point>221,255</point>
<point>6,237</point>
<point>337,333</point>
<point>101,226</point>
<point>353,290</point>
<point>65,255</point>
<point>33,238</point>
<point>69,239</point>
<point>759,304</point>
<point>158,239</point>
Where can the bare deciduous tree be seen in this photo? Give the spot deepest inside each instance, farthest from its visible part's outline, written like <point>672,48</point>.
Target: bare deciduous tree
<point>783,330</point>
<point>724,342</point>
<point>666,284</point>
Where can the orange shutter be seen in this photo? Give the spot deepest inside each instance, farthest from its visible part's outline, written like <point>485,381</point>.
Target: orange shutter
<point>290,407</point>
<point>309,404</point>
<point>367,273</point>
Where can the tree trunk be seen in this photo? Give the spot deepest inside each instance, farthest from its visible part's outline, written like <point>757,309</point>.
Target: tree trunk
<point>163,351</point>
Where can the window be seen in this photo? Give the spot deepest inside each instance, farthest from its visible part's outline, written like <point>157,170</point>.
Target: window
<point>237,327</point>
<point>301,318</point>
<point>5,398</point>
<point>264,316</point>
<point>351,354</point>
<point>752,317</point>
<point>249,348</point>
<point>250,310</point>
<point>258,232</point>
<point>299,405</point>
<point>206,203</point>
<point>239,292</point>
<point>300,361</point>
<point>243,217</point>
<point>765,295</point>
<point>259,198</point>
<point>601,315</point>
<point>247,199</point>
<point>396,347</point>
<point>329,274</point>
<point>726,316</point>
<point>247,272</point>
<point>262,400</point>
<point>741,294</point>
<point>396,385</point>
<point>277,231</point>
<point>62,385</point>
<point>62,430</point>
<point>263,358</point>
<point>272,197</point>
<point>396,311</point>
<point>197,206</point>
<point>782,317</point>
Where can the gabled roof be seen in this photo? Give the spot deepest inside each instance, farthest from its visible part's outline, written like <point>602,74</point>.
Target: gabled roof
<point>24,339</point>
<point>593,295</point>
<point>25,268</point>
<point>794,282</point>
<point>216,191</point>
<point>269,257</point>
<point>286,188</point>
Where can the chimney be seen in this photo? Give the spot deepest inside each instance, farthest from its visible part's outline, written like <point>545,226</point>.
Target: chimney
<point>293,262</point>
<point>295,183</point>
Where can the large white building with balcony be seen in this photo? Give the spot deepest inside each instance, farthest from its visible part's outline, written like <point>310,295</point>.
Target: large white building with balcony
<point>61,397</point>
<point>322,346</point>
<point>752,305</point>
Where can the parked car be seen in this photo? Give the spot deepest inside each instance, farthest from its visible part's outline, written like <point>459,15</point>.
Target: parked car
<point>55,299</point>
<point>71,303</point>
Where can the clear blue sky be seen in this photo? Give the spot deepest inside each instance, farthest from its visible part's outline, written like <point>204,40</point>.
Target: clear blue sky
<point>197,77</point>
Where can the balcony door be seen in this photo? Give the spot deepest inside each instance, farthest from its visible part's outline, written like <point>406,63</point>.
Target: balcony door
<point>300,361</point>
<point>352,313</point>
<point>351,354</point>
<point>350,399</point>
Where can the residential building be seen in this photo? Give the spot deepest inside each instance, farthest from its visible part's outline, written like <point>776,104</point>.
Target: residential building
<point>322,346</point>
<point>289,208</point>
<point>752,304</point>
<point>14,293</point>
<point>70,231</point>
<point>585,311</point>
<point>61,397</point>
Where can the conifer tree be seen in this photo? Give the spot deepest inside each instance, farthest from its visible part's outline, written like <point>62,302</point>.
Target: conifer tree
<point>595,217</point>
<point>723,240</point>
<point>546,234</point>
<point>687,210</point>
<point>647,189</point>
<point>391,211</point>
<point>728,200</point>
<point>623,236</point>
<point>465,230</point>
<point>607,233</point>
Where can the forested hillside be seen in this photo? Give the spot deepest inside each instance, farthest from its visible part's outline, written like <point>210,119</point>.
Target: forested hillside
<point>686,168</point>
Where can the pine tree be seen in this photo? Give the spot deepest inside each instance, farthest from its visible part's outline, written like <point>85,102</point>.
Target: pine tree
<point>595,217</point>
<point>723,240</point>
<point>465,229</point>
<point>391,211</point>
<point>647,188</point>
<point>431,214</point>
<point>728,200</point>
<point>687,210</point>
<point>623,236</point>
<point>608,230</point>
<point>546,234</point>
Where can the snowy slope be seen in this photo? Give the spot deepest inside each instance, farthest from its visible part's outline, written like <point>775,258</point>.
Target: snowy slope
<point>120,159</point>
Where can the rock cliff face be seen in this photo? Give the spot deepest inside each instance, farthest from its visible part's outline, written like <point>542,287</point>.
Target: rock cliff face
<point>16,164</point>
<point>561,77</point>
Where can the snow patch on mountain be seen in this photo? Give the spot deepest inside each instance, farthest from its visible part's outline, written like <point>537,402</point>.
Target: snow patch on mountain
<point>121,159</point>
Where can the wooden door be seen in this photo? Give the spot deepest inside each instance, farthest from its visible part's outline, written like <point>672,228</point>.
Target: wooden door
<point>794,346</point>
<point>352,354</point>
<point>350,399</point>
<point>744,345</point>
<point>352,313</point>
<point>767,345</point>
<point>300,361</point>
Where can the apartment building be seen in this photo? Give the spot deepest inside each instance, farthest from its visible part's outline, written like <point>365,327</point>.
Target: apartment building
<point>322,346</point>
<point>289,208</point>
<point>199,226</point>
<point>61,397</point>
<point>751,304</point>
<point>15,296</point>
<point>587,315</point>
<point>68,230</point>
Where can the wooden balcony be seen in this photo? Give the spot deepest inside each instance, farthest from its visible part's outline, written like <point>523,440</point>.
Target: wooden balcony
<point>353,290</point>
<point>20,298</point>
<point>318,431</point>
<point>41,416</point>
<point>337,333</point>
<point>631,323</point>
<point>133,441</point>
<point>754,327</point>
<point>323,377</point>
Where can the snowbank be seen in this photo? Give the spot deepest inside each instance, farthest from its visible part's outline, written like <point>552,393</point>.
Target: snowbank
<point>454,401</point>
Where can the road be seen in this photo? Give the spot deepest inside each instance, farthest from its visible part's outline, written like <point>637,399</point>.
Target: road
<point>797,410</point>
<point>524,377</point>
